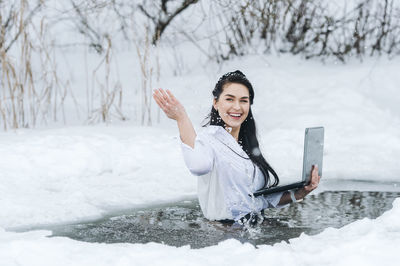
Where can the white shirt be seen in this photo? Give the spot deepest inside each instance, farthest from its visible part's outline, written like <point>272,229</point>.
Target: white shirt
<point>225,179</point>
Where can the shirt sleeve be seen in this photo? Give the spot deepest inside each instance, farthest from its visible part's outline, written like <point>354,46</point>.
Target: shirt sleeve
<point>199,160</point>
<point>272,200</point>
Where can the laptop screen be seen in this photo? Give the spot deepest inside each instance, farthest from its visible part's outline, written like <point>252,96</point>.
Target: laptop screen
<point>313,151</point>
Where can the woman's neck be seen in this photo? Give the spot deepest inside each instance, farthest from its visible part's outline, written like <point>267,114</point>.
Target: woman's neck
<point>233,131</point>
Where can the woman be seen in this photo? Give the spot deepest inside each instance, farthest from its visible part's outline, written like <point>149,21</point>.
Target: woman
<point>226,154</point>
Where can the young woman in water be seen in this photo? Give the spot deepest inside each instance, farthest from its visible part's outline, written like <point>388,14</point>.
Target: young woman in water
<point>226,156</point>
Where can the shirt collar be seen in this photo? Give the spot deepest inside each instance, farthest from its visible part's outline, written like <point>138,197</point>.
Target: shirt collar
<point>226,138</point>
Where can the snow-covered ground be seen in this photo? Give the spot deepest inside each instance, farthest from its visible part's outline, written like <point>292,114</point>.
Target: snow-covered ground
<point>75,173</point>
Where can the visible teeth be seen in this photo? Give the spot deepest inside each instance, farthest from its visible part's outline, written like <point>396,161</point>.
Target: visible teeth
<point>237,115</point>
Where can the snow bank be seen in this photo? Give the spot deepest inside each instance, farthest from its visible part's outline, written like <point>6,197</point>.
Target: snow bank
<point>59,175</point>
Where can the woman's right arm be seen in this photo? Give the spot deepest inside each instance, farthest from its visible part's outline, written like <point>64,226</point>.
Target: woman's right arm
<point>175,110</point>
<point>199,160</point>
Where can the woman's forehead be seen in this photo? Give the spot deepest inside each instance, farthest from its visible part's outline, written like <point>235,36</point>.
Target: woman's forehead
<point>235,89</point>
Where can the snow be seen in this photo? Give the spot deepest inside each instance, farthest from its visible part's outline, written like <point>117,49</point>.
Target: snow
<point>83,172</point>
<point>56,175</point>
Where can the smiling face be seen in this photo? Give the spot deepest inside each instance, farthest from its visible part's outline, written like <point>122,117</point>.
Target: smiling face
<point>233,104</point>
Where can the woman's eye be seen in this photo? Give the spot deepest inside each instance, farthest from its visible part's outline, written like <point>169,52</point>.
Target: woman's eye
<point>244,101</point>
<point>229,100</point>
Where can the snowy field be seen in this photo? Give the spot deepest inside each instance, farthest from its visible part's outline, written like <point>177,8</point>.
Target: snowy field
<point>56,175</point>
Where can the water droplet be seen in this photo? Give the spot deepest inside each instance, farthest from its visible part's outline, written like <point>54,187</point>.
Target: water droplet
<point>256,151</point>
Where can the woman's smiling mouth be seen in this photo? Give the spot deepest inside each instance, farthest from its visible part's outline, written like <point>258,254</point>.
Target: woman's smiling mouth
<point>235,115</point>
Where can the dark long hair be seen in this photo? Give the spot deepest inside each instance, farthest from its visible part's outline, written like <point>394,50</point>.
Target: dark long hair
<point>247,133</point>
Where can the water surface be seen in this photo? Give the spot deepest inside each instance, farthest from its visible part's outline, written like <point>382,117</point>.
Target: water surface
<point>182,223</point>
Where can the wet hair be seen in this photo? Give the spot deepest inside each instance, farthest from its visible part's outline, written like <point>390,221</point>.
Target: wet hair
<point>247,134</point>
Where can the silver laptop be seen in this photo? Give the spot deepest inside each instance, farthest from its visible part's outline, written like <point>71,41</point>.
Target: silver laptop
<point>313,154</point>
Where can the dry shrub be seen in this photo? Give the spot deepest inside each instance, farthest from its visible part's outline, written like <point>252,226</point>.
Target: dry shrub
<point>30,93</point>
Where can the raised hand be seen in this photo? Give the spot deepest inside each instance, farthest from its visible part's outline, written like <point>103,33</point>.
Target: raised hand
<point>169,104</point>
<point>175,110</point>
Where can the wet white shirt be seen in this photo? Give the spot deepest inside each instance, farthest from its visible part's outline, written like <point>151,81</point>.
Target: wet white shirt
<point>225,179</point>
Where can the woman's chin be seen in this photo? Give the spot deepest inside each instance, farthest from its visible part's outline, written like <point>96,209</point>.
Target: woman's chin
<point>233,125</point>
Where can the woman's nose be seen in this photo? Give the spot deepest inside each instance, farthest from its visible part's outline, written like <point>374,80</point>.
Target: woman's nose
<point>236,106</point>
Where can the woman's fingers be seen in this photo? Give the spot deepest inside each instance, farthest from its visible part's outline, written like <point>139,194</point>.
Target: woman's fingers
<point>158,99</point>
<point>158,93</point>
<point>165,97</point>
<point>161,101</point>
<point>162,96</point>
<point>314,179</point>
<point>167,103</point>
<point>172,97</point>
<point>316,176</point>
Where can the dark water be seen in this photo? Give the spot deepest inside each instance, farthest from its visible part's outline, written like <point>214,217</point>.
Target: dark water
<point>183,223</point>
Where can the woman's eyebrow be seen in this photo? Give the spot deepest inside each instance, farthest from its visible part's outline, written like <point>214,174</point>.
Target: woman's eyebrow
<point>233,96</point>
